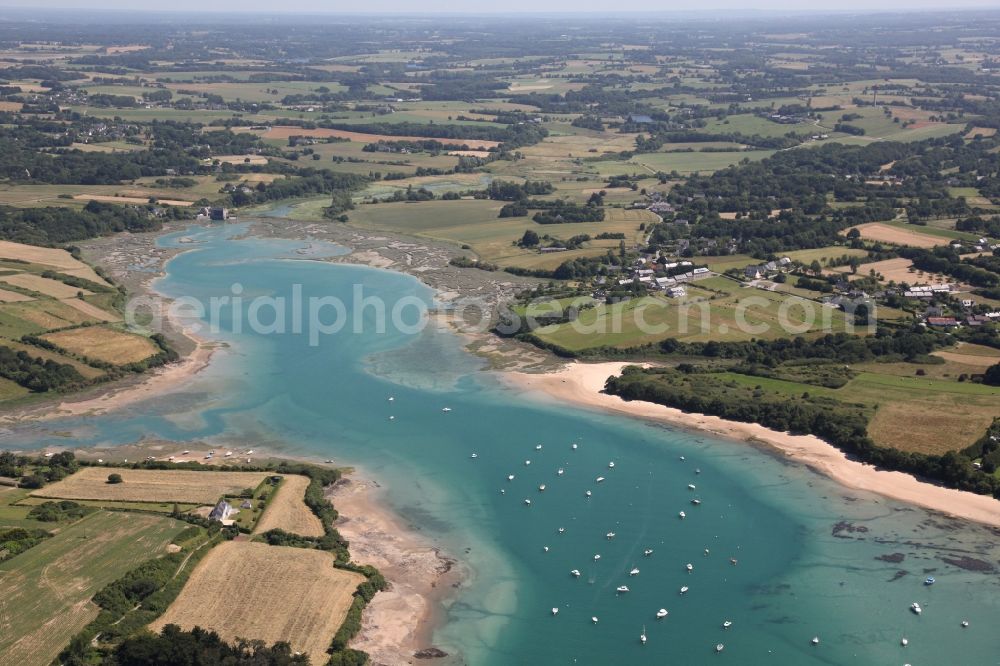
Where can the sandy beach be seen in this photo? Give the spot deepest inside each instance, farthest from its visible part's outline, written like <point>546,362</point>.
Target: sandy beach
<point>581,384</point>
<point>398,623</point>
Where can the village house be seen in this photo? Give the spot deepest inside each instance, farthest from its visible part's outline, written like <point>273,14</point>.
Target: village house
<point>222,511</point>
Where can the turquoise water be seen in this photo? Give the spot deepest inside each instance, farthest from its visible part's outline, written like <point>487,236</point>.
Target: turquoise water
<point>806,548</point>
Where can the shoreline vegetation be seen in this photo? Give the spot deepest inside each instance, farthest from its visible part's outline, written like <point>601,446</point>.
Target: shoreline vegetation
<point>583,385</point>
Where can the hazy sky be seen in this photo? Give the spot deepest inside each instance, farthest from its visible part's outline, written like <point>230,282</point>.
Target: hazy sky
<point>421,6</point>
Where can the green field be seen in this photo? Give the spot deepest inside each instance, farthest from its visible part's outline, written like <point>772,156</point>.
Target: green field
<point>714,309</point>
<point>909,412</point>
<point>45,592</point>
<point>475,223</point>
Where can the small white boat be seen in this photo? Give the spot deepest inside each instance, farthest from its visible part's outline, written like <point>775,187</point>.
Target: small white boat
<point>527,462</point>
<point>733,561</point>
<point>965,623</point>
<point>720,647</point>
<point>594,619</point>
<point>689,567</point>
<point>474,455</point>
<point>555,611</point>
<point>727,624</point>
<point>682,515</point>
<point>541,488</point>
<point>642,636</point>
<point>392,418</point>
<point>503,492</point>
<point>683,458</point>
<point>589,493</point>
<point>610,535</point>
<point>929,580</point>
<point>446,409</point>
<point>691,486</point>
<point>662,613</point>
<point>634,571</point>
<point>559,471</point>
<point>697,471</point>
<point>575,573</point>
<point>622,589</point>
<point>915,607</point>
<point>545,549</point>
<point>684,589</point>
<point>611,465</point>
<point>599,479</point>
<point>527,502</point>
<point>904,642</point>
<point>574,447</point>
<point>538,447</point>
<point>391,398</point>
<point>228,453</point>
<point>696,502</point>
<point>561,530</point>
<point>815,640</point>
<point>597,557</point>
<point>647,552</point>
<point>330,461</point>
<point>510,477</point>
<point>184,453</point>
<point>707,551</point>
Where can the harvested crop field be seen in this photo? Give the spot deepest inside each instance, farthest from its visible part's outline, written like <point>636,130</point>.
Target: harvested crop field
<point>284,132</point>
<point>45,592</point>
<point>108,198</point>
<point>984,132</point>
<point>241,159</point>
<point>42,285</point>
<point>8,296</point>
<point>104,344</point>
<point>271,593</point>
<point>888,234</point>
<point>897,270</point>
<point>90,310</point>
<point>47,256</point>
<point>287,511</point>
<point>152,485</point>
